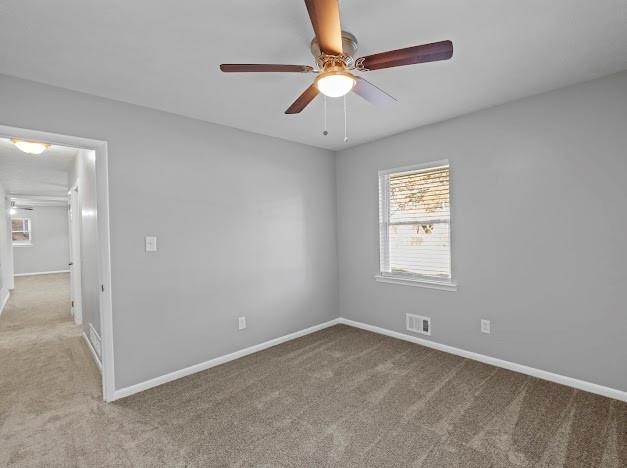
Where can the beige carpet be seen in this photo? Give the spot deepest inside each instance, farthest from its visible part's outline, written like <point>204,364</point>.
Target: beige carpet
<point>340,397</point>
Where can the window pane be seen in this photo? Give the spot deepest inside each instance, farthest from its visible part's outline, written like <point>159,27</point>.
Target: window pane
<point>20,230</point>
<point>415,222</point>
<point>17,225</point>
<point>420,249</point>
<point>419,196</point>
<point>21,236</point>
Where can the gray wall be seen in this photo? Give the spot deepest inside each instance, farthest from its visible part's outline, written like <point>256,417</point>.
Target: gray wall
<point>50,249</point>
<point>539,190</point>
<point>245,226</point>
<point>84,174</point>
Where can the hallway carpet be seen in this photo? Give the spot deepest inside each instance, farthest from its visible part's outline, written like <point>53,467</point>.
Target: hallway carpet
<point>339,397</point>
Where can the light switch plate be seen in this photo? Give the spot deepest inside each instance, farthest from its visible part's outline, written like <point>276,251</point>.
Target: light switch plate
<point>151,243</point>
<point>485,326</point>
<point>241,323</point>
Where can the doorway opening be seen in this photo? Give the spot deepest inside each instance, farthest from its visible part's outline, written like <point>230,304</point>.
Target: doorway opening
<point>56,237</point>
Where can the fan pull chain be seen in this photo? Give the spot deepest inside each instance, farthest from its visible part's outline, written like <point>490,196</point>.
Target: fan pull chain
<point>325,132</point>
<point>345,131</point>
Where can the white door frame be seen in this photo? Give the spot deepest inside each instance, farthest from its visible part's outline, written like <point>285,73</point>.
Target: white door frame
<point>104,247</point>
<point>75,254</point>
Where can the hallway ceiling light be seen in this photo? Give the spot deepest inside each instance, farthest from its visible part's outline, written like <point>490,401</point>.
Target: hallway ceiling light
<point>30,147</point>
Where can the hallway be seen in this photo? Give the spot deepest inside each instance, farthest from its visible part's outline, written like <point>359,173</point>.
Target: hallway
<point>51,408</point>
<point>48,378</point>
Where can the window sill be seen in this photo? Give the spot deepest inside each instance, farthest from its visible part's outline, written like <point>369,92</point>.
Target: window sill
<point>443,285</point>
<point>22,245</point>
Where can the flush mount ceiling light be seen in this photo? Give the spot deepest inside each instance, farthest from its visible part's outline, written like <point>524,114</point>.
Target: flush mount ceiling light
<point>30,147</point>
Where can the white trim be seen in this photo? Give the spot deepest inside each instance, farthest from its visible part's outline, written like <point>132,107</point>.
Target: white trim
<point>104,271</point>
<point>93,352</point>
<point>385,275</point>
<point>127,391</point>
<point>384,232</point>
<point>427,166</point>
<point>42,273</point>
<point>74,236</point>
<point>541,374</point>
<point>104,246</point>
<point>419,282</point>
<point>4,301</point>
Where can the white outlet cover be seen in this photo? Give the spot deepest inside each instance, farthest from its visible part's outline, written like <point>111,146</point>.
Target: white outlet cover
<point>151,243</point>
<point>485,326</point>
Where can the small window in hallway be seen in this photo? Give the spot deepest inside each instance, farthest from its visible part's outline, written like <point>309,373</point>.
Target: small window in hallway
<point>21,231</point>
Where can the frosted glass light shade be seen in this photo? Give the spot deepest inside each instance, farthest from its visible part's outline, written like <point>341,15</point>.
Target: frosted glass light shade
<point>335,84</point>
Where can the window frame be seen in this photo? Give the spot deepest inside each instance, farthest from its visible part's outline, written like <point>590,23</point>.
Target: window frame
<point>409,279</point>
<point>27,243</point>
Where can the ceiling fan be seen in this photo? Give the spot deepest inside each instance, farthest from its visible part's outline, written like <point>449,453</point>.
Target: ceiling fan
<point>333,50</point>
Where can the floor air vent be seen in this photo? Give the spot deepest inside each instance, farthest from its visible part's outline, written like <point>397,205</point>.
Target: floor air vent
<point>418,324</point>
<point>95,339</point>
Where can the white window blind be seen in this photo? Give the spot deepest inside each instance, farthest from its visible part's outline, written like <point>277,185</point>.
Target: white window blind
<point>414,214</point>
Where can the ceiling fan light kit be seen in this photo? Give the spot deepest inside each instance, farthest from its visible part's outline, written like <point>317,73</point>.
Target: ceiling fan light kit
<point>334,53</point>
<point>335,83</point>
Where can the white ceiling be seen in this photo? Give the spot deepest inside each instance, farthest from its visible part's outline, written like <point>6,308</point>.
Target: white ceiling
<point>46,174</point>
<point>166,54</point>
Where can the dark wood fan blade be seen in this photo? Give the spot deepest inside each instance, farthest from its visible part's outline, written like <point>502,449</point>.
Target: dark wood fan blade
<point>372,93</point>
<point>325,19</point>
<point>411,55</point>
<point>303,100</point>
<point>264,67</point>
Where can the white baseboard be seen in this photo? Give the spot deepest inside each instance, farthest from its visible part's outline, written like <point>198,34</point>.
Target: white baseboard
<point>127,391</point>
<point>93,352</point>
<point>4,300</point>
<point>41,273</point>
<point>541,374</point>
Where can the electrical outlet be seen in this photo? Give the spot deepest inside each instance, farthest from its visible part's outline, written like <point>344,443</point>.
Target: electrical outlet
<point>485,326</point>
<point>241,323</point>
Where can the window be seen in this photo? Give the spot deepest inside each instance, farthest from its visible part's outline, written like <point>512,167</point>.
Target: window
<point>21,231</point>
<point>415,221</point>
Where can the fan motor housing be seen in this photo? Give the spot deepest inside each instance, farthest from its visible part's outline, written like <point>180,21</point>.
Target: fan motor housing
<point>349,47</point>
